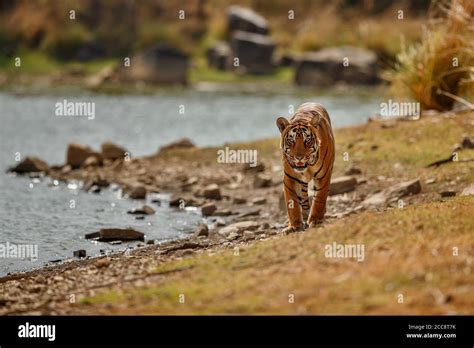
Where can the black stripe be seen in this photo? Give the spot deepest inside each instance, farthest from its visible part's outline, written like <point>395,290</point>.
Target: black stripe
<point>297,180</point>
<point>322,163</point>
<point>327,170</point>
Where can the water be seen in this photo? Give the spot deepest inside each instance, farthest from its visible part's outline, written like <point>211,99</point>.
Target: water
<point>38,211</point>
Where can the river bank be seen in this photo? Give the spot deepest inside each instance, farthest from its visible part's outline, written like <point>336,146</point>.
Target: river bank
<point>403,212</point>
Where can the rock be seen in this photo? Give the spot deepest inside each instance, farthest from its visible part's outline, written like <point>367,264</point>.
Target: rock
<point>158,64</point>
<point>150,242</point>
<point>112,151</point>
<point>261,181</point>
<point>248,235</point>
<point>467,143</point>
<point>467,191</point>
<point>77,154</point>
<point>180,144</point>
<point>113,234</point>
<point>94,189</point>
<point>66,169</point>
<point>286,60</point>
<point>219,55</point>
<point>353,171</point>
<point>394,193</point>
<point>255,52</point>
<point>79,253</point>
<point>239,200</point>
<point>342,184</point>
<point>246,168</point>
<point>212,192</point>
<point>239,227</point>
<point>222,212</point>
<point>30,165</point>
<point>233,236</point>
<point>253,212</point>
<point>137,192</point>
<point>94,183</point>
<point>103,263</point>
<point>139,217</point>
<point>106,74</point>
<point>208,209</point>
<point>326,67</point>
<point>245,19</point>
<point>91,161</point>
<point>145,210</point>
<point>445,194</point>
<point>259,200</point>
<point>201,230</point>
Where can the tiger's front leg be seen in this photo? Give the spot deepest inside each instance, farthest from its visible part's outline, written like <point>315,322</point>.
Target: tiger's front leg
<point>318,206</point>
<point>292,205</point>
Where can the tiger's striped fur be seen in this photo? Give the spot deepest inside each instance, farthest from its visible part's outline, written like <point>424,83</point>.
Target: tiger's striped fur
<point>307,142</point>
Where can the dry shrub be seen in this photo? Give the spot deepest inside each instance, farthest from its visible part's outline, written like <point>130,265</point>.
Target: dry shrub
<point>439,70</point>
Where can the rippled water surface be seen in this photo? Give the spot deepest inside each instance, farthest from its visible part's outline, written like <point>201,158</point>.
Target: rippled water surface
<point>38,211</point>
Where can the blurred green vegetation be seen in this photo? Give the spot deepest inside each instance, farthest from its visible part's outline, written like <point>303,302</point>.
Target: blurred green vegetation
<point>114,28</point>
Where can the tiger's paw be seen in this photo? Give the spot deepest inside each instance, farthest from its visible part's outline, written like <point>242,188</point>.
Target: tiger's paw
<point>292,229</point>
<point>314,223</point>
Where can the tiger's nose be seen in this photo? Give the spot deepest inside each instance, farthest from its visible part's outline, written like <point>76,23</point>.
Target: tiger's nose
<point>299,157</point>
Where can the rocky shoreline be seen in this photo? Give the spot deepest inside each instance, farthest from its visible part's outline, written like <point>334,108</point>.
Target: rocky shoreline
<point>242,203</point>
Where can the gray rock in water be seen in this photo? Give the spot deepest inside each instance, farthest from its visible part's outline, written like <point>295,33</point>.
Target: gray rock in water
<point>79,253</point>
<point>114,234</point>
<point>342,184</point>
<point>159,64</point>
<point>30,165</point>
<point>145,210</point>
<point>327,66</point>
<point>254,51</point>
<point>245,19</point>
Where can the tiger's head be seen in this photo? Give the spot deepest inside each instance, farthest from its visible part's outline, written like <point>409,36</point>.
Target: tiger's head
<point>299,143</point>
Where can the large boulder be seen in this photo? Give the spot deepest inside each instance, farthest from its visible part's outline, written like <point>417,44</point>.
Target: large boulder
<point>254,51</point>
<point>159,64</point>
<point>112,151</point>
<point>30,165</point>
<point>219,56</point>
<point>351,65</point>
<point>245,19</point>
<point>77,154</point>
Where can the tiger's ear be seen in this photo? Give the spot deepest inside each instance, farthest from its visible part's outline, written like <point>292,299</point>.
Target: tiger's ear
<point>316,120</point>
<point>282,123</point>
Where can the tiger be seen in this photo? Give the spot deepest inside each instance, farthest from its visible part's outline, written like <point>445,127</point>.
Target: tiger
<point>307,144</point>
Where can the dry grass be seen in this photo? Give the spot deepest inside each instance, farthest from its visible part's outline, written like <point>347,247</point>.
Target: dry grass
<point>407,251</point>
<point>438,71</point>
